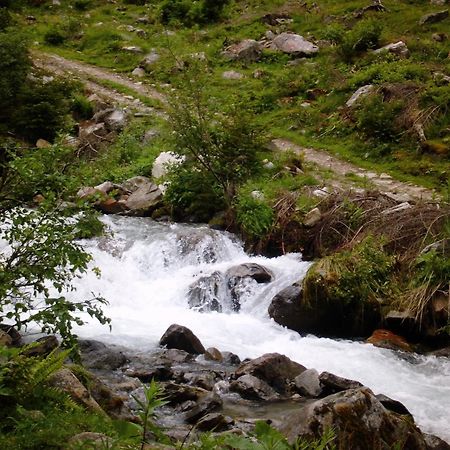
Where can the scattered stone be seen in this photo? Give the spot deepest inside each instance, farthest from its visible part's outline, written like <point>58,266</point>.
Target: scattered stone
<point>138,72</point>
<point>98,103</point>
<point>144,200</point>
<point>308,383</point>
<point>275,369</point>
<point>259,73</point>
<point>132,49</point>
<point>252,388</point>
<point>393,405</point>
<point>435,443</point>
<point>434,17</point>
<point>332,384</point>
<point>312,218</point>
<point>395,209</point>
<point>149,61</point>
<point>205,406</point>
<point>92,134</point>
<point>42,143</point>
<point>65,380</point>
<point>389,340</point>
<point>398,48</point>
<point>213,354</point>
<point>112,206</point>
<point>133,184</point>
<point>294,44</point>
<point>215,422</point>
<point>116,120</point>
<point>248,50</point>
<point>257,195</point>
<point>251,270</point>
<point>150,135</point>
<point>182,338</point>
<point>163,163</point>
<point>439,37</point>
<point>232,75</point>
<point>362,92</point>
<point>358,419</point>
<point>276,19</point>
<point>205,294</point>
<point>231,358</point>
<point>144,20</point>
<point>96,355</point>
<point>179,393</point>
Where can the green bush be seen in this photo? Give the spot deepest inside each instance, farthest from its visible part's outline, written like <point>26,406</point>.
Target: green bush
<point>54,37</point>
<point>82,5</point>
<point>191,12</point>
<point>376,118</point>
<point>5,19</point>
<point>43,109</point>
<point>81,107</point>
<point>255,217</point>
<point>365,35</point>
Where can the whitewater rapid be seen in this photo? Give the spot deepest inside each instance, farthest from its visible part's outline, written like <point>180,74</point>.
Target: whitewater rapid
<point>147,268</point>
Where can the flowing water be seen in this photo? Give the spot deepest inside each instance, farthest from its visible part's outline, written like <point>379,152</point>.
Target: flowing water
<point>147,269</point>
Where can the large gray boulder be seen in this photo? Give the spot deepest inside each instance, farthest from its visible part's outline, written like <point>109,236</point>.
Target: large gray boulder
<point>252,388</point>
<point>247,50</point>
<point>275,369</point>
<point>144,200</point>
<point>434,17</point>
<point>359,421</point>
<point>294,44</point>
<point>182,338</point>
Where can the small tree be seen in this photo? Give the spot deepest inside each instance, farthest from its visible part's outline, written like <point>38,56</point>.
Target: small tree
<point>38,263</point>
<point>219,139</point>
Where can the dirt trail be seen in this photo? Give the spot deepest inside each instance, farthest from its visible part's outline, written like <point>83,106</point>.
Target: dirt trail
<point>91,75</point>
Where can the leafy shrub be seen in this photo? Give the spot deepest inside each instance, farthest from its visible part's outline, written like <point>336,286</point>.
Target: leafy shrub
<point>81,107</point>
<point>82,5</point>
<point>365,35</point>
<point>55,37</point>
<point>5,19</point>
<point>44,108</point>
<point>255,217</point>
<point>191,12</point>
<point>376,118</point>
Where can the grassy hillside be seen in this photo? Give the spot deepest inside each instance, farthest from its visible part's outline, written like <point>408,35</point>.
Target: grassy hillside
<point>299,98</point>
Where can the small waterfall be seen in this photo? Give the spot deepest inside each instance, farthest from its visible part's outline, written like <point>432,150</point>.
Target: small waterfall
<point>149,269</point>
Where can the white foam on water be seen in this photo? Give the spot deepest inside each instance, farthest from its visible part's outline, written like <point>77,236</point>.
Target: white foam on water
<point>147,269</point>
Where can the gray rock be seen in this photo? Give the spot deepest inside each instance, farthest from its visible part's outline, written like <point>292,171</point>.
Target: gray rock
<point>247,50</point>
<point>232,75</point>
<point>231,358</point>
<point>182,338</point>
<point>205,294</point>
<point>150,135</point>
<point>434,17</point>
<point>398,48</point>
<point>252,270</point>
<point>308,383</point>
<point>149,61</point>
<point>275,369</point>
<point>393,405</point>
<point>435,443</point>
<point>116,120</point>
<point>332,383</point>
<point>294,44</point>
<point>163,162</point>
<point>252,388</point>
<point>96,355</point>
<point>205,406</point>
<point>133,184</point>
<point>132,49</point>
<point>362,92</point>
<point>312,218</point>
<point>138,72</point>
<point>438,2</point>
<point>213,354</point>
<point>144,200</point>
<point>215,422</point>
<point>359,420</point>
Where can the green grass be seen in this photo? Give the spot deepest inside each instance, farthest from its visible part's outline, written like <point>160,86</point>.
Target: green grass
<point>276,98</point>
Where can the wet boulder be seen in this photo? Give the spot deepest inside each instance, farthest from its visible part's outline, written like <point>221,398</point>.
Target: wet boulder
<point>206,405</point>
<point>252,388</point>
<point>182,338</point>
<point>97,355</point>
<point>215,422</point>
<point>238,278</point>
<point>331,383</point>
<point>205,294</point>
<point>389,340</point>
<point>275,369</point>
<point>308,383</point>
<point>358,419</point>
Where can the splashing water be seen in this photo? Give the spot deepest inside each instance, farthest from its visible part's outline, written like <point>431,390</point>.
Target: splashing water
<point>147,270</point>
